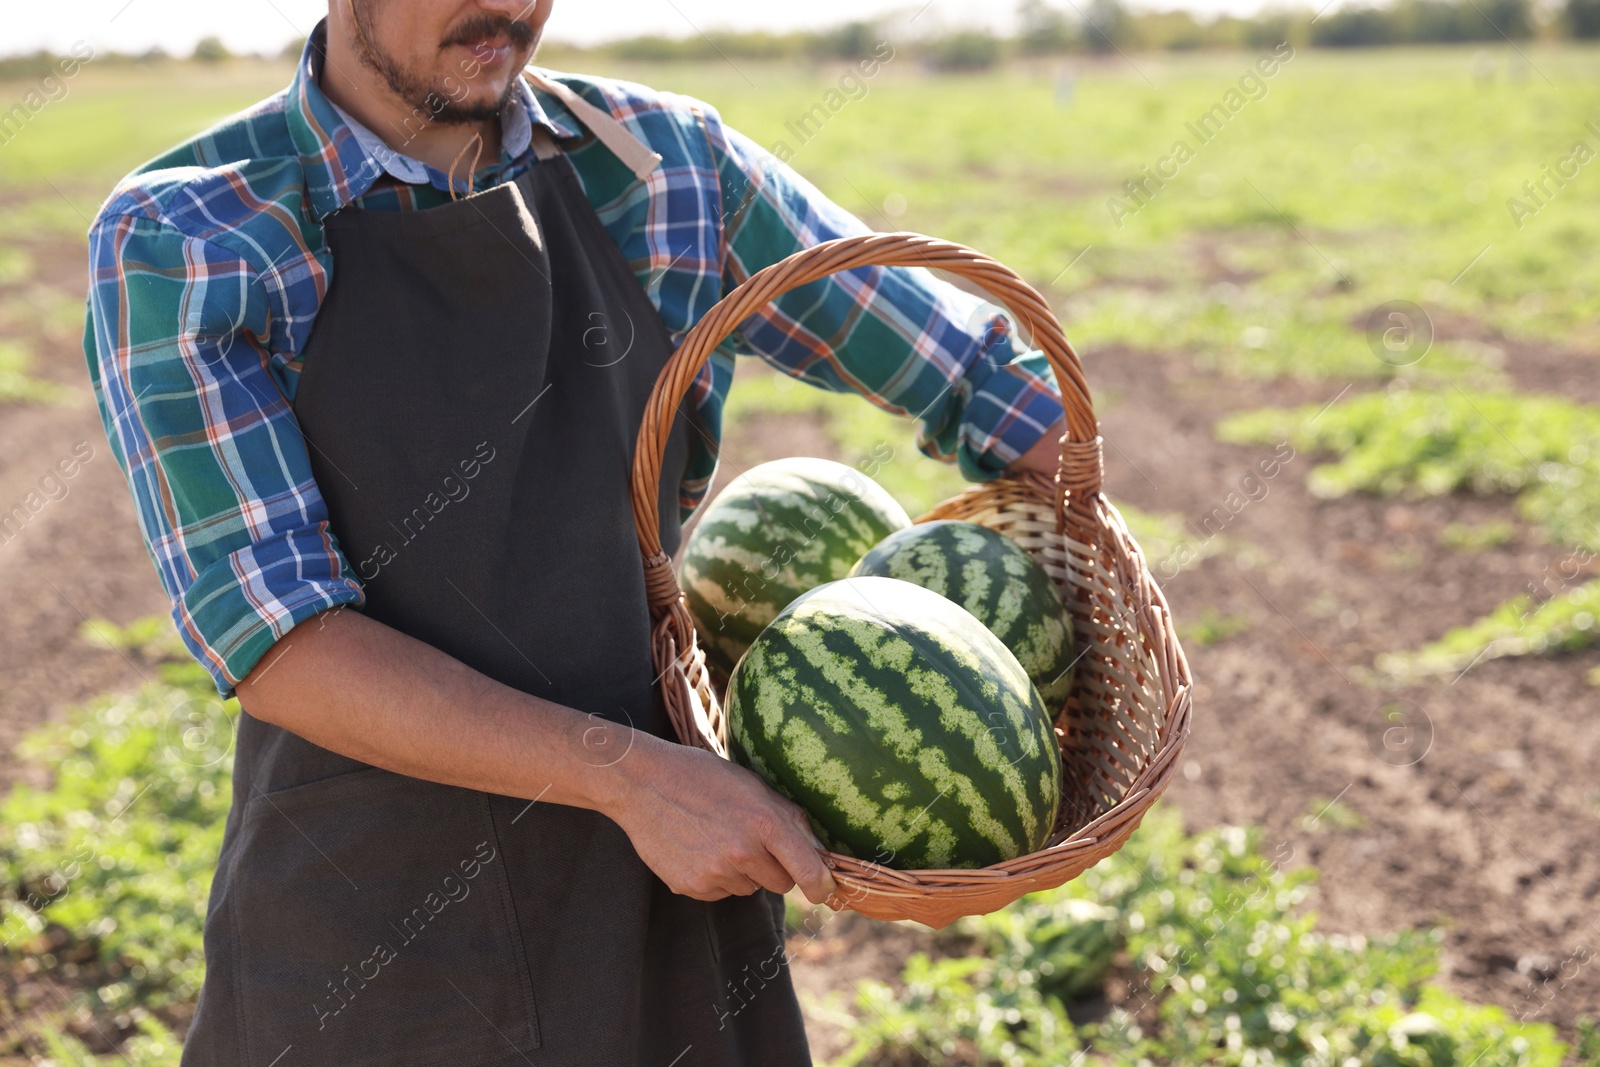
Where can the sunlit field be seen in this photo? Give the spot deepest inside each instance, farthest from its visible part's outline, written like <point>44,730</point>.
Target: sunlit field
<point>1384,845</point>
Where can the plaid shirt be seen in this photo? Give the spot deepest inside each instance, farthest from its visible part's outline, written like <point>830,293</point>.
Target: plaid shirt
<point>208,266</point>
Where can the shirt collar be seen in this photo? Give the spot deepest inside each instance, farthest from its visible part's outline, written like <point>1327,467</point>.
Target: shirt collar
<point>342,158</point>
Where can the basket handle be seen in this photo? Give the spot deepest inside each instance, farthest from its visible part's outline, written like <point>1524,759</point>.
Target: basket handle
<point>1080,473</point>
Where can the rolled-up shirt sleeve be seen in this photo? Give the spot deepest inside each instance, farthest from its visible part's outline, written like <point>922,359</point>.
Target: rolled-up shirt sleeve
<point>907,340</point>
<point>220,477</point>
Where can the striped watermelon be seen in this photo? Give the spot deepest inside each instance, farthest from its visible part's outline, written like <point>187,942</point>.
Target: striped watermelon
<point>776,531</point>
<point>994,578</point>
<point>906,730</point>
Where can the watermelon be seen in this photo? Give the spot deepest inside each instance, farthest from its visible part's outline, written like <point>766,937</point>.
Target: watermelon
<point>776,531</point>
<point>994,578</point>
<point>910,735</point>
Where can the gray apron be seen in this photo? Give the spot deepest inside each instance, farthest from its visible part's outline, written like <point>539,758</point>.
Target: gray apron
<point>472,391</point>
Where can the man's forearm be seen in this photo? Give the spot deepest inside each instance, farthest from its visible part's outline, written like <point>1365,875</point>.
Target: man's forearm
<point>367,691</point>
<point>1045,455</point>
<point>707,827</point>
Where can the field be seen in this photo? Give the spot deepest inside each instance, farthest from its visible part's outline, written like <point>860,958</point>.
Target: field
<point>1391,634</point>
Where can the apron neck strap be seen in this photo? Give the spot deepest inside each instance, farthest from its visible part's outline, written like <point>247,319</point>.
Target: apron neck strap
<point>544,144</point>
<point>634,153</point>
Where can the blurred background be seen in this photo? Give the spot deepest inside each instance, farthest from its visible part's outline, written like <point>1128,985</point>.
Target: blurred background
<point>1333,276</point>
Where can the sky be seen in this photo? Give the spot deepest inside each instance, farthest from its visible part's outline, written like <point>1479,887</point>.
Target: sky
<point>266,25</point>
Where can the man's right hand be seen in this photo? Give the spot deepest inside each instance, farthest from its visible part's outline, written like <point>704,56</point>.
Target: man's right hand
<point>707,827</point>
<point>710,829</point>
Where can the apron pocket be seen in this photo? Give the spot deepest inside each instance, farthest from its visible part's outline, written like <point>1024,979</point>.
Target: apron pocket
<point>374,928</point>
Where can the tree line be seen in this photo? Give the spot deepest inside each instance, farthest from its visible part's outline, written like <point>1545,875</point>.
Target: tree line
<point>1043,28</point>
<point>1107,25</point>
<point>1102,26</point>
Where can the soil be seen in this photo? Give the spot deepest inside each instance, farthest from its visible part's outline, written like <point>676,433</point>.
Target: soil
<point>78,556</point>
<point>1483,819</point>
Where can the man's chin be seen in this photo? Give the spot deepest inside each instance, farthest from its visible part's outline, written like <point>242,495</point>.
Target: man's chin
<point>476,108</point>
<point>460,115</point>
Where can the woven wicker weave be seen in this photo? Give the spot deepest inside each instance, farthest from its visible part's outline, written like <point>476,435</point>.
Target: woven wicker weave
<point>1128,716</point>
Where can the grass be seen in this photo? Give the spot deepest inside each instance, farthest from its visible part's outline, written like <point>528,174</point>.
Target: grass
<point>1419,443</point>
<point>106,871</point>
<point>1522,626</point>
<point>1214,964</point>
<point>1478,537</point>
<point>53,313</point>
<point>1210,627</point>
<point>1325,814</point>
<point>1171,545</point>
<point>105,876</point>
<point>60,166</point>
<point>1358,179</point>
<point>1543,452</point>
<point>1224,328</point>
<point>46,213</point>
<point>860,431</point>
<point>16,266</point>
<point>114,118</point>
<point>19,386</point>
<point>153,1046</point>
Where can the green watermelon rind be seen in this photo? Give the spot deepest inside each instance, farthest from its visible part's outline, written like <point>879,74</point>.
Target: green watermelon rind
<point>775,532</point>
<point>998,582</point>
<point>911,736</point>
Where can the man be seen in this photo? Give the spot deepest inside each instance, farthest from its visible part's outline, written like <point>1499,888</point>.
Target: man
<point>373,355</point>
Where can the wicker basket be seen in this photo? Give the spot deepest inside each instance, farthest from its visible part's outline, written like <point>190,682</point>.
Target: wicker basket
<point>1128,716</point>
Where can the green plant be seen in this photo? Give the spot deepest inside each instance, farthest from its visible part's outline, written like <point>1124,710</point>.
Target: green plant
<point>957,1011</point>
<point>211,50</point>
<point>1587,1051</point>
<point>16,266</point>
<point>1212,627</point>
<point>1323,813</point>
<point>152,637</point>
<point>1169,547</point>
<point>106,872</point>
<point>1465,537</point>
<point>1545,450</point>
<point>1221,970</point>
<point>1062,944</point>
<point>966,51</point>
<point>1417,443</point>
<point>865,437</point>
<point>1519,627</point>
<point>154,1046</point>
<point>17,385</point>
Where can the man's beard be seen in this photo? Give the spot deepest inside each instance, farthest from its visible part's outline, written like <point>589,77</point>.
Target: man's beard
<point>435,100</point>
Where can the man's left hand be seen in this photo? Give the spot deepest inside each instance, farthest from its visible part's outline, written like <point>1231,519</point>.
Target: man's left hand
<point>1045,455</point>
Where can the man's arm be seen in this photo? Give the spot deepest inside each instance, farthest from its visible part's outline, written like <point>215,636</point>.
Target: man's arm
<point>707,827</point>
<point>179,345</point>
<point>1044,455</point>
<point>908,341</point>
<point>180,329</point>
